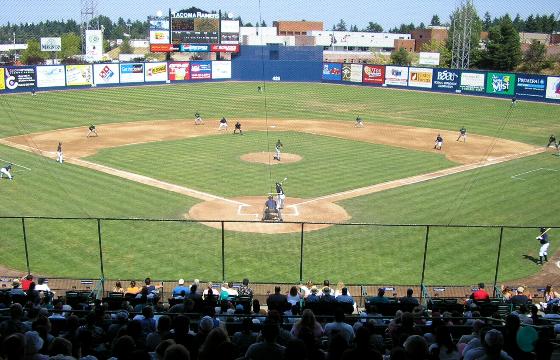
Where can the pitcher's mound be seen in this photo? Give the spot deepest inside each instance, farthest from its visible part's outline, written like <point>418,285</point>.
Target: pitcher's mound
<point>268,158</point>
<point>251,209</point>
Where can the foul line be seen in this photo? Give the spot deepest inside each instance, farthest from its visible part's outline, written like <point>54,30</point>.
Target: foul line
<point>517,176</point>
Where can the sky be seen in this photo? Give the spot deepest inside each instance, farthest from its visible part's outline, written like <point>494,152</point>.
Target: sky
<point>388,13</point>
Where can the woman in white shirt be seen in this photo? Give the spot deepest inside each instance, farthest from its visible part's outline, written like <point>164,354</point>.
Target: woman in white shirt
<point>42,286</point>
<point>293,296</point>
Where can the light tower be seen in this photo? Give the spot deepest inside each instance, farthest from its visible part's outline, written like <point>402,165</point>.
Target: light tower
<point>462,28</point>
<point>88,12</point>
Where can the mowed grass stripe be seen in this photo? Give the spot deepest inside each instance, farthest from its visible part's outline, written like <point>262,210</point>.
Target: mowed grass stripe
<point>212,164</point>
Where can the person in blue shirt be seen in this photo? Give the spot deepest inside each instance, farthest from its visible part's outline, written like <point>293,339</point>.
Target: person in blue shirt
<point>178,290</point>
<point>344,297</point>
<point>6,170</point>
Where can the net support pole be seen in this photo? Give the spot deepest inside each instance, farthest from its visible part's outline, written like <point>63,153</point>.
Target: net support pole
<point>101,257</point>
<point>223,254</point>
<point>498,259</point>
<point>301,255</point>
<point>25,245</point>
<point>425,256</point>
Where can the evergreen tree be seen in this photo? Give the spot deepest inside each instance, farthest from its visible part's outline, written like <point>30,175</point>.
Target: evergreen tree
<point>518,23</point>
<point>487,22</point>
<point>341,26</point>
<point>534,59</point>
<point>263,24</point>
<point>531,24</point>
<point>71,45</point>
<point>503,51</point>
<point>33,54</point>
<point>125,47</point>
<point>374,27</point>
<point>435,21</point>
<point>401,57</point>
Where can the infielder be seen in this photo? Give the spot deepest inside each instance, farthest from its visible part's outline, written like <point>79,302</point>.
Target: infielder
<point>543,239</point>
<point>197,119</point>
<point>278,146</point>
<point>439,142</point>
<point>280,195</point>
<point>237,128</point>
<point>223,124</point>
<point>6,170</point>
<point>59,154</point>
<point>359,122</point>
<point>92,131</point>
<point>462,134</point>
<point>552,140</point>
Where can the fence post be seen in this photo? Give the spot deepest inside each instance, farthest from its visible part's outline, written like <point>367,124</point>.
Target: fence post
<point>223,254</point>
<point>425,256</point>
<point>498,259</point>
<point>25,245</point>
<point>101,257</point>
<point>301,255</point>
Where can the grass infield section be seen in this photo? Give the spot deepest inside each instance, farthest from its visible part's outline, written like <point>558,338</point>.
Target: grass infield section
<point>212,163</point>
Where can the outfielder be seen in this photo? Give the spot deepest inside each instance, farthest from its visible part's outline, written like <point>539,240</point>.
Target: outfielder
<point>552,140</point>
<point>513,101</point>
<point>197,119</point>
<point>278,146</point>
<point>223,124</point>
<point>280,195</point>
<point>359,122</point>
<point>92,131</point>
<point>59,154</point>
<point>439,142</point>
<point>462,134</point>
<point>6,170</point>
<point>543,239</point>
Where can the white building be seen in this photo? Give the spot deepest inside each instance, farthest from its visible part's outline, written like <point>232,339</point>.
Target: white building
<point>356,41</point>
<point>263,36</point>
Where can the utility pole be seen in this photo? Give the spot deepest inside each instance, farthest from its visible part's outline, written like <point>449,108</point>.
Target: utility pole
<point>14,48</point>
<point>462,28</point>
<point>88,11</point>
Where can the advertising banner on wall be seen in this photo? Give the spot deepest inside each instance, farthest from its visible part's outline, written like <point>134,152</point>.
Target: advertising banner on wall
<point>346,72</point>
<point>180,70</point>
<point>156,71</point>
<point>374,74</point>
<point>77,75</point>
<point>221,70</point>
<point>531,86</point>
<point>20,77</point>
<point>420,77</point>
<point>230,32</point>
<point>2,77</point>
<point>51,44</point>
<point>194,48</point>
<point>429,58</point>
<point>473,82</point>
<point>446,79</point>
<point>553,87</point>
<point>132,73</point>
<point>104,74</point>
<point>224,48</point>
<point>94,45</point>
<point>396,75</point>
<point>500,83</point>
<point>159,30</point>
<point>201,70</point>
<point>51,76</point>
<point>332,72</point>
<point>356,72</point>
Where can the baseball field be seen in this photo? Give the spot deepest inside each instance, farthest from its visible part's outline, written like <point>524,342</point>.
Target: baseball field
<point>151,161</point>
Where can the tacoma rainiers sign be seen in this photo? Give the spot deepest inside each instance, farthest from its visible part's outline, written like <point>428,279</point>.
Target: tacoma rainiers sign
<point>51,44</point>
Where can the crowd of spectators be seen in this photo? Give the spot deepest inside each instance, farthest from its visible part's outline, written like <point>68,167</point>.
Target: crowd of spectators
<point>227,322</point>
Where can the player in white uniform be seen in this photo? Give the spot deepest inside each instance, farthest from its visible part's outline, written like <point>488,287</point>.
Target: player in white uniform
<point>280,195</point>
<point>278,146</point>
<point>543,239</point>
<point>6,170</point>
<point>223,124</point>
<point>462,134</point>
<point>197,119</point>
<point>59,153</point>
<point>359,122</point>
<point>439,142</point>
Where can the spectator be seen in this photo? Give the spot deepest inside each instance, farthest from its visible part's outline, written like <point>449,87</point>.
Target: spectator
<point>246,337</point>
<point>309,322</point>
<point>409,300</point>
<point>550,296</point>
<point>344,297</point>
<point>123,347</point>
<point>33,295</point>
<point>337,346</point>
<point>13,324</point>
<point>480,294</point>
<point>215,338</point>
<point>305,290</point>
<point>26,281</point>
<point>520,298</point>
<point>33,344</point>
<point>362,348</point>
<point>338,326</point>
<point>477,327</point>
<point>180,289</point>
<point>284,336</point>
<point>406,329</point>
<point>16,288</point>
<point>268,349</point>
<point>244,289</point>
<point>339,288</point>
<point>327,297</point>
<point>326,284</point>
<point>210,291</point>
<point>444,348</point>
<point>380,298</point>
<point>521,313</point>
<point>513,324</point>
<point>13,347</point>
<point>42,285</point>
<point>296,350</point>
<point>118,288</point>
<point>493,343</point>
<point>160,349</point>
<point>416,347</point>
<point>293,297</point>
<point>312,349</point>
<point>313,296</point>
<point>60,346</point>
<point>133,289</point>
<point>277,301</point>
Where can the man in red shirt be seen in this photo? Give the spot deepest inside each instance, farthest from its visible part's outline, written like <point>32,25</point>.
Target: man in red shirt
<point>26,281</point>
<point>480,294</point>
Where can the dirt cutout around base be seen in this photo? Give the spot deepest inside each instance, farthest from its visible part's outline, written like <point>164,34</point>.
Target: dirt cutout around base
<point>268,158</point>
<point>251,208</point>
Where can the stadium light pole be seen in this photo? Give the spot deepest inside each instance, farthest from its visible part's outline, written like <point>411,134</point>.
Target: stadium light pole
<point>14,48</point>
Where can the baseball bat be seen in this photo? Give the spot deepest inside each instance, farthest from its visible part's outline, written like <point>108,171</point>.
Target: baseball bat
<point>543,233</point>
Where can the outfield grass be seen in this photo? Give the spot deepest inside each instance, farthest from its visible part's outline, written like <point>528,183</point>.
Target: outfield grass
<point>175,249</point>
<point>213,164</point>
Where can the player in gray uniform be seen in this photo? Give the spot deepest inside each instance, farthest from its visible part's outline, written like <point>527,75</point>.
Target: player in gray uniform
<point>223,124</point>
<point>552,141</point>
<point>439,142</point>
<point>6,170</point>
<point>237,128</point>
<point>92,131</point>
<point>59,153</point>
<point>543,240</point>
<point>281,196</point>
<point>197,119</point>
<point>359,122</point>
<point>462,134</point>
<point>278,146</point>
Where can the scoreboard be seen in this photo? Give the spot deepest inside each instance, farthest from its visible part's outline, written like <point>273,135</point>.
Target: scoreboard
<point>195,30</point>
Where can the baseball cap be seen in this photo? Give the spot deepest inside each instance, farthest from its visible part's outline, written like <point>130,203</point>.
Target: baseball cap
<point>520,289</point>
<point>206,323</point>
<point>181,281</point>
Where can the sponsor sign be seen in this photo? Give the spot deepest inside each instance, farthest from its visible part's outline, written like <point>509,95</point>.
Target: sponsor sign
<point>473,82</point>
<point>156,71</point>
<point>2,76</point>
<point>445,79</point>
<point>374,74</point>
<point>221,69</point>
<point>500,83</point>
<point>179,71</point>
<point>531,86</point>
<point>94,45</point>
<point>230,32</point>
<point>159,37</point>
<point>224,48</point>
<point>51,76</point>
<point>553,87</point>
<point>132,73</point>
<point>429,58</point>
<point>165,48</point>
<point>346,72</point>
<point>51,44</point>
<point>194,48</point>
<point>332,72</point>
<point>77,75</point>
<point>396,75</point>
<point>201,70</point>
<point>419,77</point>
<point>105,74</point>
<point>20,77</point>
<point>356,72</point>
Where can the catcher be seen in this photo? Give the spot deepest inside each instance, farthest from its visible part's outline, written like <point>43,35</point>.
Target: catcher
<point>543,240</point>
